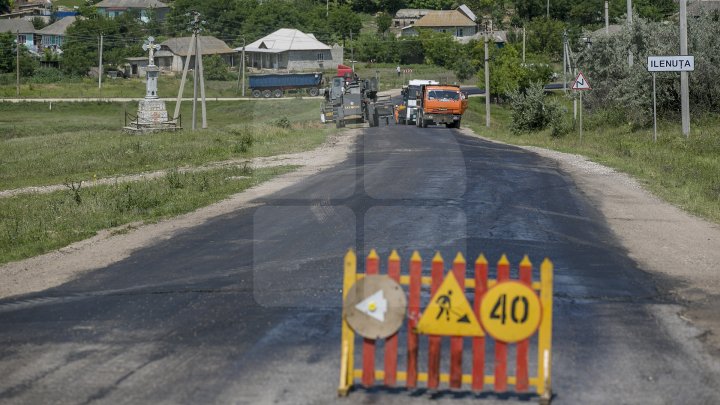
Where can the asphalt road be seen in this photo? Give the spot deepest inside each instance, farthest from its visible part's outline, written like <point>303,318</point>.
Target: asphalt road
<point>246,308</point>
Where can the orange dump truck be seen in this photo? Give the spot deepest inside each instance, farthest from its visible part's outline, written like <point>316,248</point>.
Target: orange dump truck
<point>440,104</point>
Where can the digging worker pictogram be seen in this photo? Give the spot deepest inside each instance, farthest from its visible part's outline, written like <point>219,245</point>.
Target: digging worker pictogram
<point>445,305</point>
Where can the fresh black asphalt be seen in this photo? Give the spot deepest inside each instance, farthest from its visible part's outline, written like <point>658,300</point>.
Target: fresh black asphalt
<point>246,308</point>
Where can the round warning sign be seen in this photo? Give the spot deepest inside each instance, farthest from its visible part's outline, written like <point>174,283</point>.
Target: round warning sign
<point>510,312</point>
<point>375,307</point>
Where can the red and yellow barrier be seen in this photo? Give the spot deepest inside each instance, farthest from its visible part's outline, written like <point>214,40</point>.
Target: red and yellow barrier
<point>480,285</point>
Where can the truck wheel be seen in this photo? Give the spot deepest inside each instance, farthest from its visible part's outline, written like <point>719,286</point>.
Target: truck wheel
<point>457,124</point>
<point>375,119</point>
<point>277,93</point>
<point>314,92</point>
<point>267,93</point>
<point>256,93</point>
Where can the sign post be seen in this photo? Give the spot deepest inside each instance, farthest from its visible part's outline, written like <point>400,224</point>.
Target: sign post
<point>683,63</point>
<point>581,84</point>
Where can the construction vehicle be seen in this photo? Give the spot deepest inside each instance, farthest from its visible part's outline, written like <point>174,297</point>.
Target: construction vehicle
<point>350,100</point>
<point>275,85</point>
<point>440,104</point>
<point>405,112</point>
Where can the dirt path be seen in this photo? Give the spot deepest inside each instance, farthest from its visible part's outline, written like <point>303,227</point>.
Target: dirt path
<point>290,159</point>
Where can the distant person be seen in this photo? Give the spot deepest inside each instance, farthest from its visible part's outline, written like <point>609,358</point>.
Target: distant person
<point>397,69</point>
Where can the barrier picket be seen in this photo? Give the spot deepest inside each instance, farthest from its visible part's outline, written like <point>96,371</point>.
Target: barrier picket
<point>510,309</point>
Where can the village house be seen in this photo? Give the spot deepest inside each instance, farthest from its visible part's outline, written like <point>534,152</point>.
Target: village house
<point>53,35</point>
<point>23,29</point>
<point>406,17</point>
<point>292,50</point>
<point>173,53</point>
<point>455,22</point>
<point>146,8</point>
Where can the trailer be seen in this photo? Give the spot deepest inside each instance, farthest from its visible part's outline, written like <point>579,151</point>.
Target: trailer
<point>275,85</point>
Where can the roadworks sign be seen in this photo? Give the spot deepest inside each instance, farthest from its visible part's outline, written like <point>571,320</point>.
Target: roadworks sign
<point>449,312</point>
<point>581,83</point>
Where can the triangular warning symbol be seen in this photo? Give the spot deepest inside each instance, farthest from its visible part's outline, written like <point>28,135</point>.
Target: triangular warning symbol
<point>449,313</point>
<point>581,83</point>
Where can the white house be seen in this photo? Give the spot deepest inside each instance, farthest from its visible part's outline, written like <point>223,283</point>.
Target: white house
<point>291,50</point>
<point>113,8</point>
<point>173,53</point>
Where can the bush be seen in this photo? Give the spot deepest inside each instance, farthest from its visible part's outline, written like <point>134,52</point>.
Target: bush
<point>215,68</point>
<point>533,111</point>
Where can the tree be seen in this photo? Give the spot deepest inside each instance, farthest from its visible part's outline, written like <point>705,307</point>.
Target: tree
<point>123,38</point>
<point>343,21</point>
<point>384,21</point>
<point>5,6</point>
<point>38,23</point>
<point>8,49</point>
<point>546,37</point>
<point>439,47</point>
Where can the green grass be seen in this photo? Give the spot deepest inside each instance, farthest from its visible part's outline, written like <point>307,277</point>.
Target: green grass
<point>116,88</point>
<point>684,172</point>
<point>34,224</point>
<point>80,141</point>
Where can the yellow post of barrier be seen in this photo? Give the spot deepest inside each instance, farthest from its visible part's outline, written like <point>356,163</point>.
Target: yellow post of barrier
<point>544,387</point>
<point>348,336</point>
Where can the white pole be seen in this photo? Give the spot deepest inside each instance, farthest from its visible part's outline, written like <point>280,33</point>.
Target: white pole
<point>629,22</point>
<point>565,62</point>
<point>581,123</point>
<point>654,110</point>
<point>100,67</point>
<point>684,84</point>
<point>195,86</point>
<point>548,9</point>
<point>607,18</point>
<point>487,82</point>
<point>17,63</point>
<point>243,68</point>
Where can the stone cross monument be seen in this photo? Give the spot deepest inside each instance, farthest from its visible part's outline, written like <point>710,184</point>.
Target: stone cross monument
<point>152,113</point>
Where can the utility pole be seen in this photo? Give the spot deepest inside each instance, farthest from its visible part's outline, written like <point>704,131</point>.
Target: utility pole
<point>100,63</point>
<point>202,82</point>
<point>523,43</point>
<point>548,9</point>
<point>629,22</point>
<point>565,62</point>
<point>684,85</point>
<point>607,18</point>
<point>487,82</point>
<point>243,69</point>
<point>17,64</point>
<point>352,52</point>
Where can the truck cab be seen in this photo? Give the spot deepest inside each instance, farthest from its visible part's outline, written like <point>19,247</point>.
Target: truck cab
<point>440,104</point>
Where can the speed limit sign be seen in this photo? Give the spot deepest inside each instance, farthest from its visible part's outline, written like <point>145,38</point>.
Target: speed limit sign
<point>510,312</point>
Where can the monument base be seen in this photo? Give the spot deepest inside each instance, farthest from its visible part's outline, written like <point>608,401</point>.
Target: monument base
<point>152,116</point>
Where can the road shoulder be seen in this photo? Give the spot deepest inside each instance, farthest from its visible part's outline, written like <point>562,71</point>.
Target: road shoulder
<point>680,249</point>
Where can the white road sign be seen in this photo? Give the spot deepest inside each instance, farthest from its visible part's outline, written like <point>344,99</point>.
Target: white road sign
<point>684,63</point>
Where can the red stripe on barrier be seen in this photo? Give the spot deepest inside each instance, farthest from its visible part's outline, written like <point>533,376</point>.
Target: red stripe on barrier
<point>456,342</point>
<point>413,318</point>
<point>522,357</point>
<point>368,353</point>
<point>503,274</point>
<point>437,273</point>
<point>478,365</point>
<point>391,343</point>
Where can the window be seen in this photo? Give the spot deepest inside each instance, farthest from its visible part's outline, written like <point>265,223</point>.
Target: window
<point>320,56</point>
<point>443,95</point>
<point>459,32</point>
